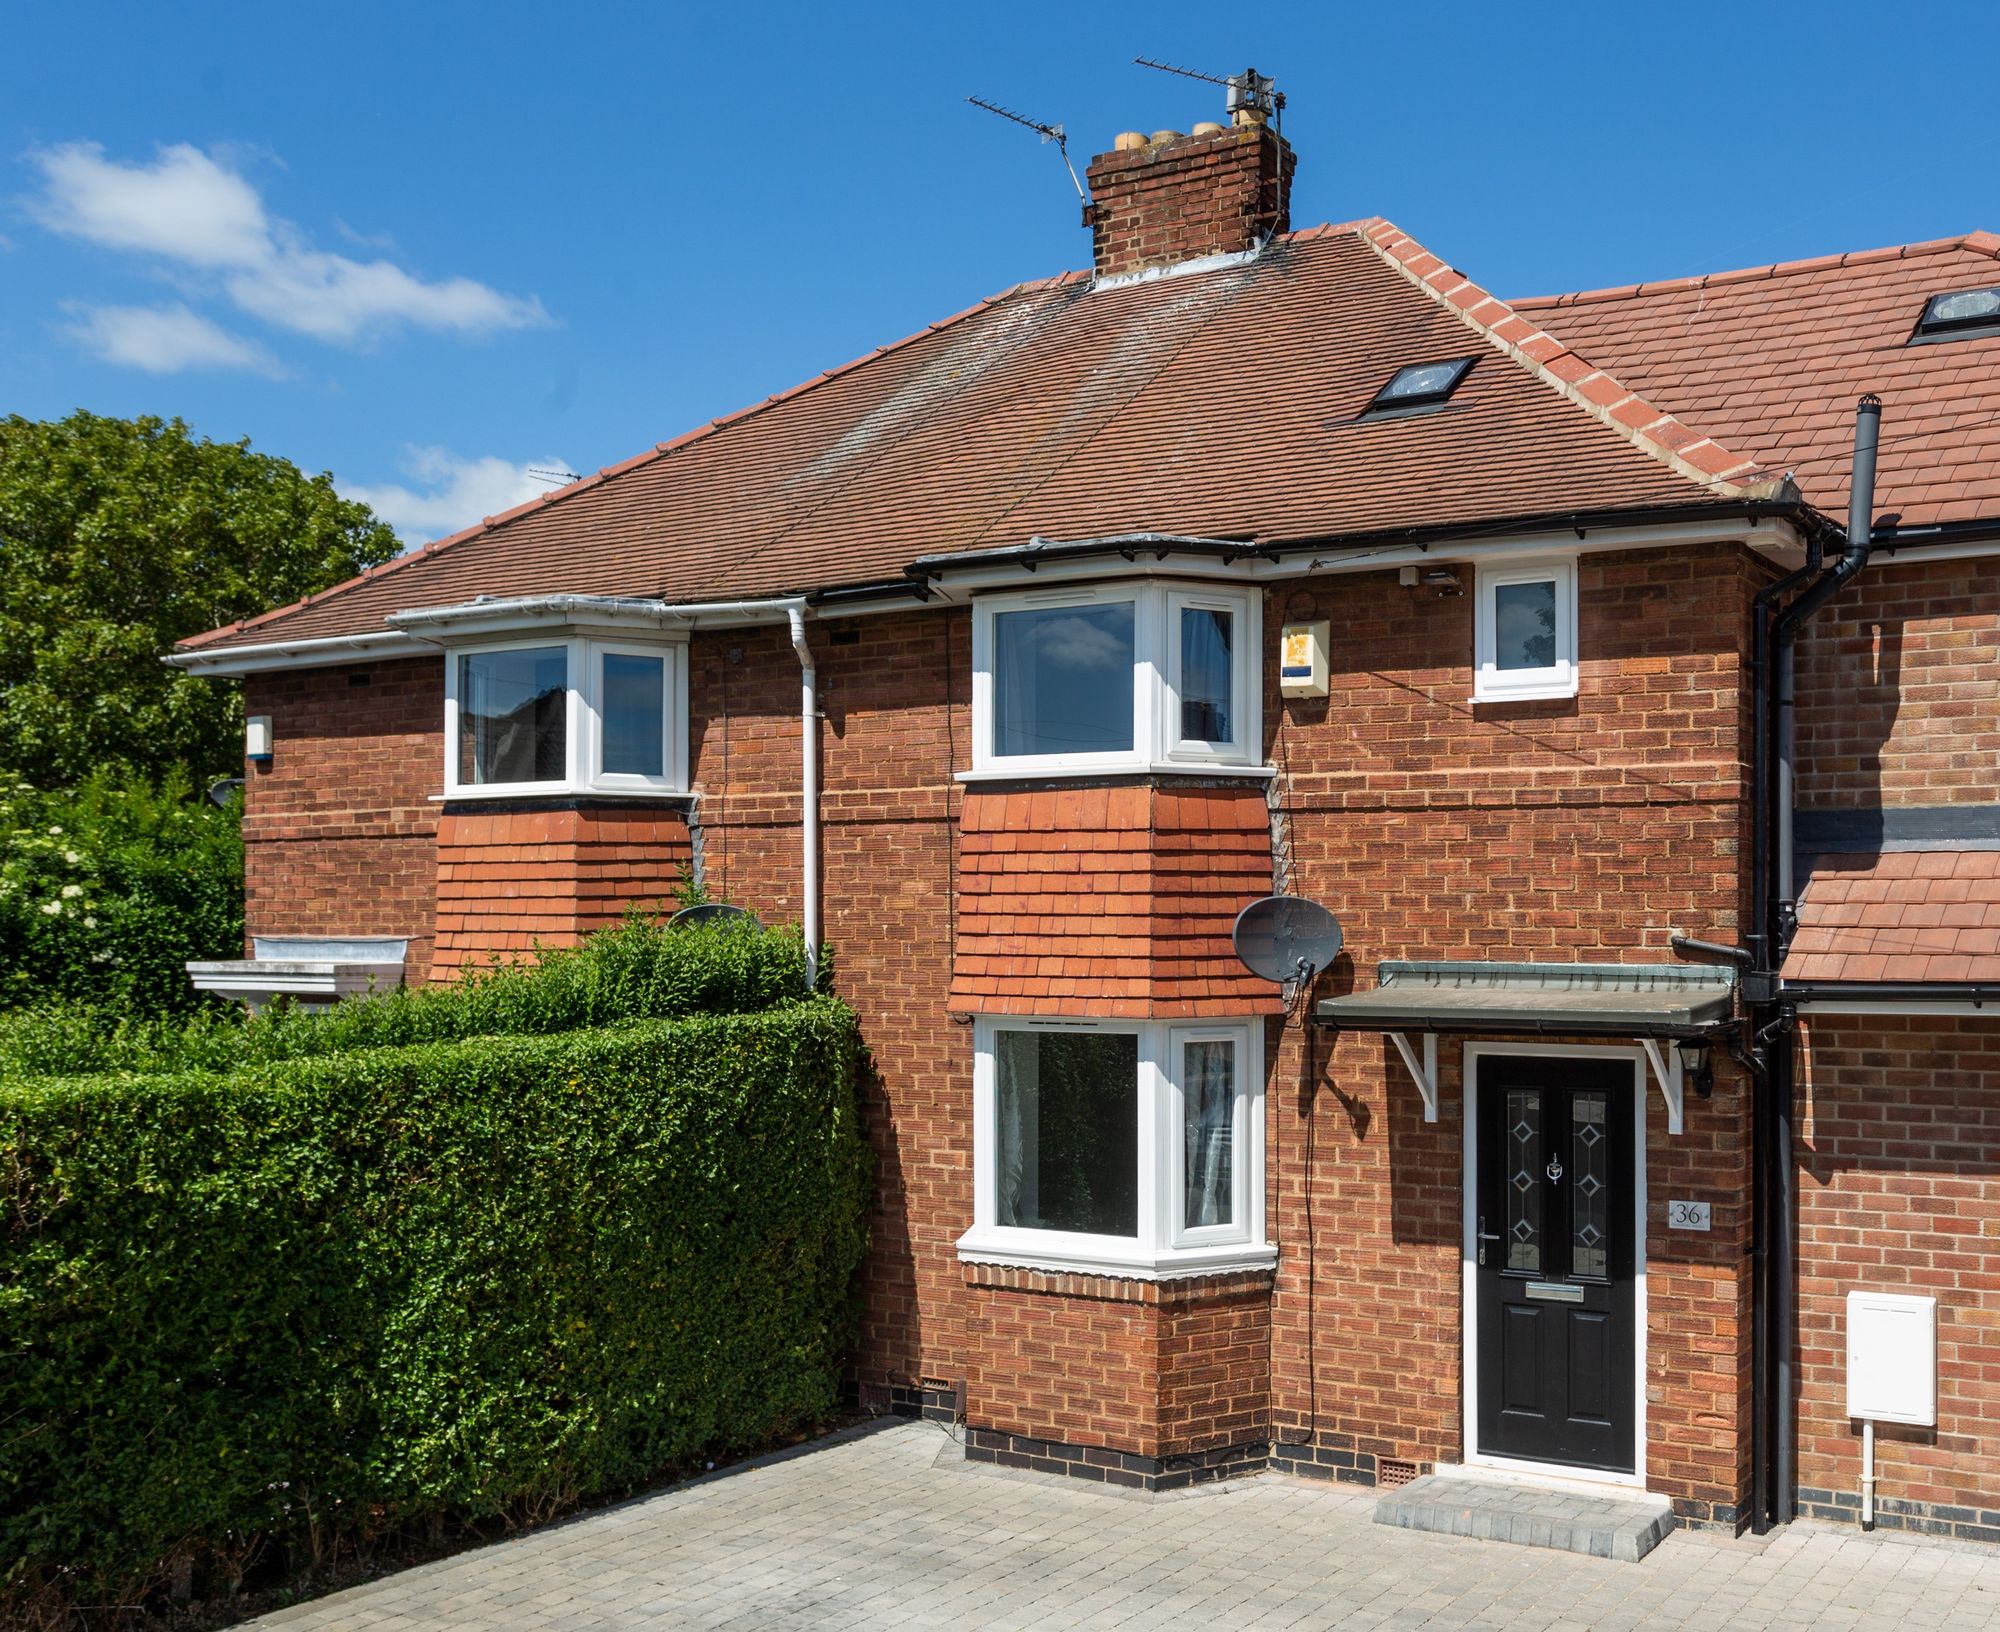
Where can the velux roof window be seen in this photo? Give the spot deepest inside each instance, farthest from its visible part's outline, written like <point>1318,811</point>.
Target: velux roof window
<point>1421,385</point>
<point>1959,314</point>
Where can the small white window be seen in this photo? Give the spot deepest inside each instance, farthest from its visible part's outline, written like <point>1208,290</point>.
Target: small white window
<point>564,716</point>
<point>1115,677</point>
<point>1524,631</point>
<point>1118,1148</point>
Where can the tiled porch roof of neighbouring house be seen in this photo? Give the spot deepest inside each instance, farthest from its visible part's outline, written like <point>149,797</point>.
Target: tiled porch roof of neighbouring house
<point>1225,401</point>
<point>1769,360</point>
<point>1900,915</point>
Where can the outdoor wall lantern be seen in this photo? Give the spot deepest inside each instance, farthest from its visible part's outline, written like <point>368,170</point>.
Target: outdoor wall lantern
<point>1695,1068</point>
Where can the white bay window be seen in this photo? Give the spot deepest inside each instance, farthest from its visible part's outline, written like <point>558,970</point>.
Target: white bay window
<point>572,715</point>
<point>1115,677</point>
<point>1124,1148</point>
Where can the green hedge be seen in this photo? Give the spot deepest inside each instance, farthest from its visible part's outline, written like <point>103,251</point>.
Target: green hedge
<point>638,970</point>
<point>314,1303</point>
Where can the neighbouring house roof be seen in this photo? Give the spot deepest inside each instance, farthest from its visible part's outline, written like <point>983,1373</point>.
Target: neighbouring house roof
<point>1770,360</point>
<point>1221,402</point>
<point>1901,915</point>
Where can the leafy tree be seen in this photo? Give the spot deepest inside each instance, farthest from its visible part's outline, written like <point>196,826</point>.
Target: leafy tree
<point>118,538</point>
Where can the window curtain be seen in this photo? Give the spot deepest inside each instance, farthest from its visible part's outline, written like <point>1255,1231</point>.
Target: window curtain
<point>1209,1093</point>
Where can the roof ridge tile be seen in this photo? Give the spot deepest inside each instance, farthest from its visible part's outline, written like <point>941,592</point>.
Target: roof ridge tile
<point>1595,390</point>
<point>1979,241</point>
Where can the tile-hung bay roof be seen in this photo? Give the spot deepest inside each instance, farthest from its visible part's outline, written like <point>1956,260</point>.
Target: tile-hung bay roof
<point>1221,402</point>
<point>1770,361</point>
<point>1900,915</point>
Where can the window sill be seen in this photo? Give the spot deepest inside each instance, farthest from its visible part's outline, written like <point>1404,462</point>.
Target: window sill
<point>1555,691</point>
<point>523,796</point>
<point>1170,1265</point>
<point>1055,770</point>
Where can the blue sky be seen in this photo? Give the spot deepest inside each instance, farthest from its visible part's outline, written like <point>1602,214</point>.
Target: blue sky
<point>431,246</point>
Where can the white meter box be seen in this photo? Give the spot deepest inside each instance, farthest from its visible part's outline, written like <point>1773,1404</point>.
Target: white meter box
<point>1892,1357</point>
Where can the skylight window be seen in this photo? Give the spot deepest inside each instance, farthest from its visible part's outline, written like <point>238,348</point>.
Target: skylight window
<point>1960,314</point>
<point>1420,385</point>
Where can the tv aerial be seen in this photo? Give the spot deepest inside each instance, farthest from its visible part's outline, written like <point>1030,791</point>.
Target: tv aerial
<point>1249,92</point>
<point>1286,939</point>
<point>1048,133</point>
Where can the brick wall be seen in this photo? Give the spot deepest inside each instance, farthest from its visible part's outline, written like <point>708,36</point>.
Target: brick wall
<point>1178,200</point>
<point>1899,1191</point>
<point>1435,828</point>
<point>1899,688</point>
<point>510,876</point>
<point>1156,1368</point>
<point>339,830</point>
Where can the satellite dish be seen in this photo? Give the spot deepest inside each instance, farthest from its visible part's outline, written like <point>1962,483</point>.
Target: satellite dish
<point>711,912</point>
<point>1286,938</point>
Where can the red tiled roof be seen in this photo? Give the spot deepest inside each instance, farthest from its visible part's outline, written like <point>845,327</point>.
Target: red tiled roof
<point>1771,359</point>
<point>1900,915</point>
<point>1220,403</point>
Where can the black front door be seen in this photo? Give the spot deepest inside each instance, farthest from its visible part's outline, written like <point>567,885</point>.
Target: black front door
<point>1554,1255</point>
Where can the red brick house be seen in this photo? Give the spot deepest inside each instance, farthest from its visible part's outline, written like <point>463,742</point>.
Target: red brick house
<point>1263,560</point>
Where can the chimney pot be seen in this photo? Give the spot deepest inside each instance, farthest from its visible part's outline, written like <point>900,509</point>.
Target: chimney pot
<point>1129,141</point>
<point>1208,127</point>
<point>1160,138</point>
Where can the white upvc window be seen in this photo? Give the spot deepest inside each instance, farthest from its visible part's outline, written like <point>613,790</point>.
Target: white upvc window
<point>564,714</point>
<point>1129,1148</point>
<point>1115,677</point>
<point>1524,631</point>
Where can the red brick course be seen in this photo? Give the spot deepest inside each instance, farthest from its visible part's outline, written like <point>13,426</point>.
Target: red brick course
<point>1899,1191</point>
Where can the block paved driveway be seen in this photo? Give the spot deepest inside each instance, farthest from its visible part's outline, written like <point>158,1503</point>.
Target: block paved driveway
<point>890,1527</point>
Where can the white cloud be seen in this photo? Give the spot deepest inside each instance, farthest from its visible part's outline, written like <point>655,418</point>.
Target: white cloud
<point>191,210</point>
<point>451,493</point>
<point>165,340</point>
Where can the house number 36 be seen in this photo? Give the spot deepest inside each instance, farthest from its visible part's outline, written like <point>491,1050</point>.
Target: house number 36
<point>1687,1215</point>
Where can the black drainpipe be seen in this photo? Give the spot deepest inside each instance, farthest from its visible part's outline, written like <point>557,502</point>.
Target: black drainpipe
<point>1774,889</point>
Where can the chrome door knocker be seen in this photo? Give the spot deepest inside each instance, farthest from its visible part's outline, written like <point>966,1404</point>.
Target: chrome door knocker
<point>1555,1169</point>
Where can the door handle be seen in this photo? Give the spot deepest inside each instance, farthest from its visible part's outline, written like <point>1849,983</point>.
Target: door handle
<point>1485,1235</point>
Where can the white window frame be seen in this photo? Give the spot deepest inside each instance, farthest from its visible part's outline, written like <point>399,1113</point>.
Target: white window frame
<point>1156,740</point>
<point>582,720</point>
<point>1493,684</point>
<point>1162,1249</point>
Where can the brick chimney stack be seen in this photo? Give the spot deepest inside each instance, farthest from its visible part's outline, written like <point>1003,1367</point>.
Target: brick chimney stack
<point>1158,200</point>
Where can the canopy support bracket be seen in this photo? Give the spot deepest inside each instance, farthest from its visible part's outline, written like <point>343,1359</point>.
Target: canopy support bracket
<point>1425,1075</point>
<point>1669,1079</point>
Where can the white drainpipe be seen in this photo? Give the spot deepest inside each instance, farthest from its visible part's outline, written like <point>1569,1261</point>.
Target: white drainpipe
<point>808,788</point>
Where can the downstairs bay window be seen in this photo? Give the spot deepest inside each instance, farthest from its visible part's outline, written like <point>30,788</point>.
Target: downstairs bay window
<point>1124,1148</point>
<point>1115,677</point>
<point>573,715</point>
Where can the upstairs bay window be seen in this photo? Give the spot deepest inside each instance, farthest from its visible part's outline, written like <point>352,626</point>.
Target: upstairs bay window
<point>1118,1148</point>
<point>1115,677</point>
<point>564,716</point>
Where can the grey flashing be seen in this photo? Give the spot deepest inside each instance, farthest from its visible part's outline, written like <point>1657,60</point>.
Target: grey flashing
<point>1871,829</point>
<point>1645,1000</point>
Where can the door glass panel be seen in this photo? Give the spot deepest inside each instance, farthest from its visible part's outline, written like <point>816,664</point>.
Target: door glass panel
<point>1590,1190</point>
<point>1524,1180</point>
<point>1208,1094</point>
